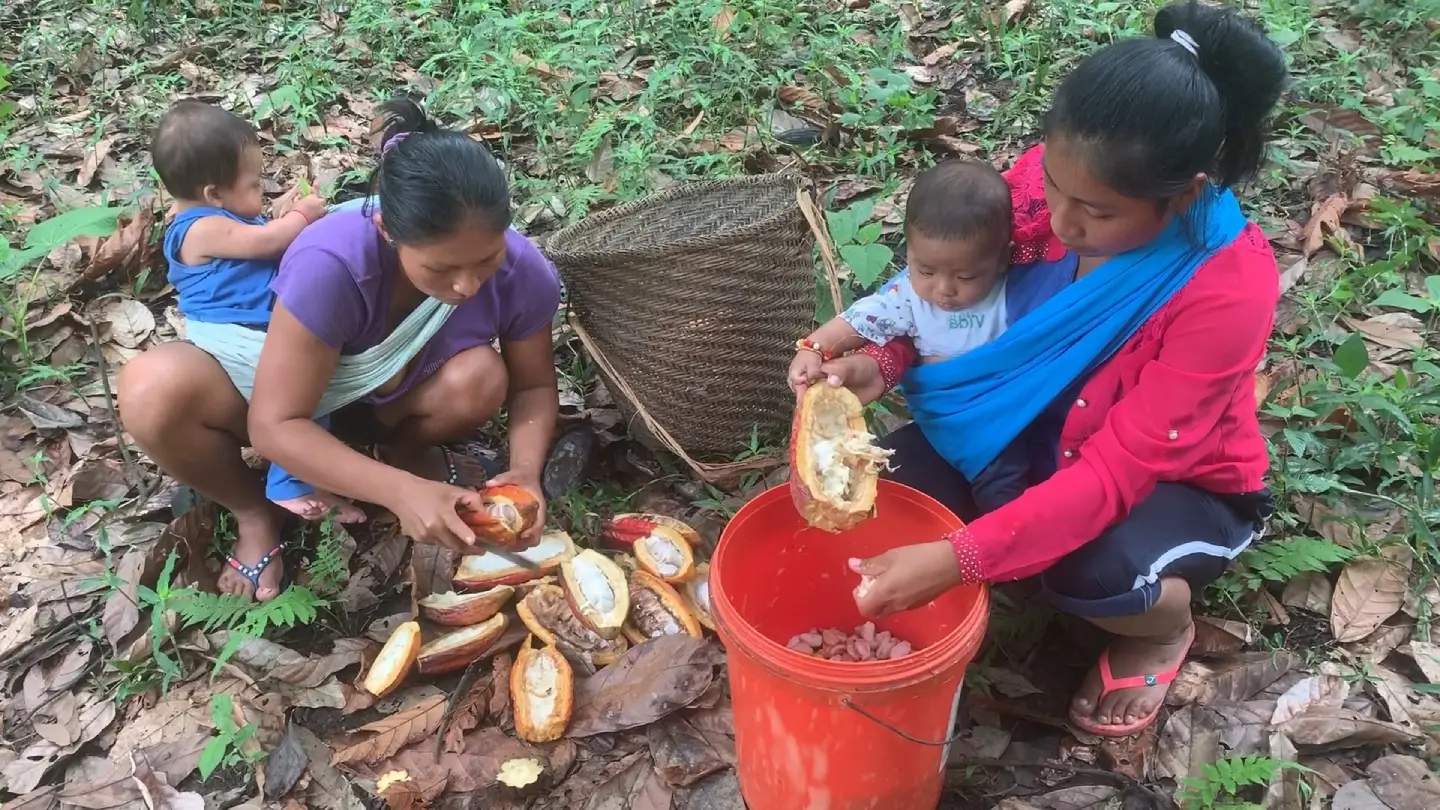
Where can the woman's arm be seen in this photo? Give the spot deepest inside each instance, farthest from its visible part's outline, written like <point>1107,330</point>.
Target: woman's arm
<point>534,403</point>
<point>294,370</point>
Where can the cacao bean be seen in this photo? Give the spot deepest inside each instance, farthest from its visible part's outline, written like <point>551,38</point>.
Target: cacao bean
<point>865,644</point>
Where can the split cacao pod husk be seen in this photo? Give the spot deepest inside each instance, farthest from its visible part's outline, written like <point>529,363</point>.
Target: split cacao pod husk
<point>509,510</point>
<point>458,648</point>
<point>542,690</point>
<point>547,613</point>
<point>662,545</point>
<point>465,609</point>
<point>657,609</point>
<point>481,571</point>
<point>697,593</point>
<point>834,464</point>
<point>395,660</point>
<point>597,591</point>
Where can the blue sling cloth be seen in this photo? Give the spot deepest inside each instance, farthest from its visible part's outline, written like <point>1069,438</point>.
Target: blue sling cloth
<point>972,406</point>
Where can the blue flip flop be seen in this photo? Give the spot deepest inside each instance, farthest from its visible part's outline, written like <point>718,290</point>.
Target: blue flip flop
<point>253,572</point>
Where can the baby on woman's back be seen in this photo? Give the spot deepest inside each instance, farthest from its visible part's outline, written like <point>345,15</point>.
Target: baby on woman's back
<point>222,251</point>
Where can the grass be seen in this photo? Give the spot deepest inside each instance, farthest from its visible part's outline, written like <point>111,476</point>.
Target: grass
<point>591,103</point>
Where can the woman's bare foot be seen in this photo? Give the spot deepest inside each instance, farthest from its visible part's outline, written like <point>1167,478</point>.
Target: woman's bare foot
<point>254,567</point>
<point>1141,670</point>
<point>318,504</point>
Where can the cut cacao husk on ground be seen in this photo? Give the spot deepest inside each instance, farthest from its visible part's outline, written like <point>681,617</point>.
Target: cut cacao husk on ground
<point>662,545</point>
<point>542,691</point>
<point>597,591</point>
<point>464,609</point>
<point>395,660</point>
<point>481,571</point>
<point>835,464</point>
<point>657,609</point>
<point>548,614</point>
<point>509,511</point>
<point>459,648</point>
<point>697,593</point>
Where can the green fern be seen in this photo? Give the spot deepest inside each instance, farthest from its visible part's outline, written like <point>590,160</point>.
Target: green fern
<point>1283,560</point>
<point>329,569</point>
<point>1221,782</point>
<point>242,619</point>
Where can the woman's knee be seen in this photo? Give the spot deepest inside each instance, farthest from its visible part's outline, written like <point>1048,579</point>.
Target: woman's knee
<point>471,387</point>
<point>171,384</point>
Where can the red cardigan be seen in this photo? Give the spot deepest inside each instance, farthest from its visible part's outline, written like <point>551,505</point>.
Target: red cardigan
<point>1175,403</point>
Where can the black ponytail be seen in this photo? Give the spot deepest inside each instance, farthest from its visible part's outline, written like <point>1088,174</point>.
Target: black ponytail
<point>430,180</point>
<point>1150,114</point>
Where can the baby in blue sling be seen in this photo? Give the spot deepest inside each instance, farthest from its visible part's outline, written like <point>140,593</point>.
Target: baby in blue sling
<point>223,253</point>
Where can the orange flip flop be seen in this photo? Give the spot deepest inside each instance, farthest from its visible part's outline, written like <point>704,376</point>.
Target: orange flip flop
<point>1109,684</point>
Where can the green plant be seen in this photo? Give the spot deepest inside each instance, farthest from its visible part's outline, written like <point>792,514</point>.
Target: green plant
<point>1280,561</point>
<point>242,619</point>
<point>227,747</point>
<point>856,239</point>
<point>1221,783</point>
<point>57,231</point>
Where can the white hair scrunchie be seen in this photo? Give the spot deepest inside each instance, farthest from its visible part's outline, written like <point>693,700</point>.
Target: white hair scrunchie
<point>1186,41</point>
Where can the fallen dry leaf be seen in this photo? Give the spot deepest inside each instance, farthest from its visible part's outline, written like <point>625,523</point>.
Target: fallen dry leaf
<point>1326,728</point>
<point>1216,638</point>
<point>1426,656</point>
<point>92,161</point>
<point>1286,789</point>
<point>1007,683</point>
<point>1391,332</point>
<point>392,733</point>
<point>328,789</point>
<point>1324,218</point>
<point>1237,679</point>
<point>1404,783</point>
<point>1309,591</point>
<point>156,791</point>
<point>1357,795</point>
<point>432,570</point>
<point>131,322</point>
<point>652,680</point>
<point>475,768</point>
<point>637,787</point>
<point>128,247</point>
<point>1081,797</point>
<point>683,754</point>
<point>1316,690</point>
<point>1377,646</point>
<point>176,759</point>
<point>1197,735</point>
<point>122,607</point>
<point>1368,592</point>
<point>94,715</point>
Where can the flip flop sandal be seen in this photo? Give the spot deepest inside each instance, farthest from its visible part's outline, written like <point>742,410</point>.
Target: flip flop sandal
<point>253,572</point>
<point>1110,684</point>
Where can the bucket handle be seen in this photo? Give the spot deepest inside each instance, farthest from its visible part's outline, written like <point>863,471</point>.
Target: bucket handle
<point>849,704</point>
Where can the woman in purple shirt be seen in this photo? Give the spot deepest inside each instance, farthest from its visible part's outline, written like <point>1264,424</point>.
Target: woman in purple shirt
<point>345,285</point>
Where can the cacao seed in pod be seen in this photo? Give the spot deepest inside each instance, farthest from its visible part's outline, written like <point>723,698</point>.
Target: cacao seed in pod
<point>509,511</point>
<point>542,688</point>
<point>481,571</point>
<point>597,591</point>
<point>547,613</point>
<point>697,593</point>
<point>656,609</point>
<point>834,463</point>
<point>663,545</point>
<point>394,661</point>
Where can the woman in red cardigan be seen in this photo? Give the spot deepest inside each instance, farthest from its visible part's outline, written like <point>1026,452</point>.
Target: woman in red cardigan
<point>1134,385</point>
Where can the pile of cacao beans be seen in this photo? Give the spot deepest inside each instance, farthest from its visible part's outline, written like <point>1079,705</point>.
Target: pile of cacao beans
<point>865,644</point>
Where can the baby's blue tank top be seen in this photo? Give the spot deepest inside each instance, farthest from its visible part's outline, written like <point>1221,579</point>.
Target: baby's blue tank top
<point>221,290</point>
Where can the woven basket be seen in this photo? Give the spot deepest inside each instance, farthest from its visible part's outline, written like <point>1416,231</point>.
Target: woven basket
<point>690,302</point>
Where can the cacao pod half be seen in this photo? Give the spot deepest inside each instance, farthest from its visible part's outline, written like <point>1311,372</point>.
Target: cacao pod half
<point>394,661</point>
<point>542,689</point>
<point>697,592</point>
<point>657,610</point>
<point>663,545</point>
<point>464,609</point>
<point>456,649</point>
<point>548,614</point>
<point>479,571</point>
<point>597,591</point>
<point>834,463</point>
<point>509,511</point>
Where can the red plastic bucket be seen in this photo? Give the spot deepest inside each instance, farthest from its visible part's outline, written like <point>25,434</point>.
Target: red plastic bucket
<point>802,737</point>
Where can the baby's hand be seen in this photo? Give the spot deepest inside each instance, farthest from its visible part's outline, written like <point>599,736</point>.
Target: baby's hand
<point>805,369</point>
<point>312,206</point>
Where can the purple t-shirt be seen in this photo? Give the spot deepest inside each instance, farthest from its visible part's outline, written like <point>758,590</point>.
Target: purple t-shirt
<point>337,277</point>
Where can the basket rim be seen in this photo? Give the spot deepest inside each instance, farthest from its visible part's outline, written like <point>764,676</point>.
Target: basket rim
<point>556,250</point>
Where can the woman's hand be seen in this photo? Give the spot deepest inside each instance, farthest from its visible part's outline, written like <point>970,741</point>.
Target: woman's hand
<point>905,577</point>
<point>804,371</point>
<point>531,484</point>
<point>429,512</point>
